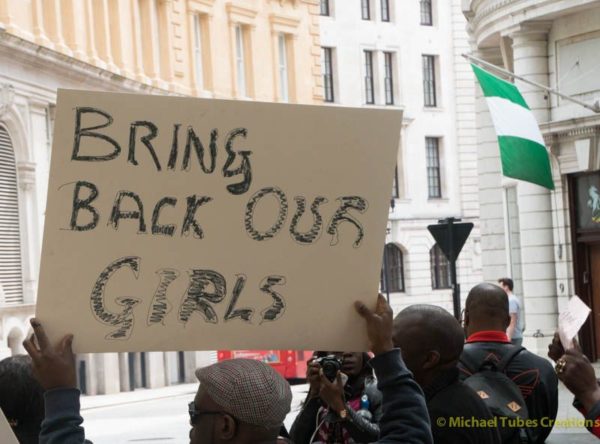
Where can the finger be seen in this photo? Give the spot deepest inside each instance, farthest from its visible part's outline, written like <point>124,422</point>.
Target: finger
<point>339,380</point>
<point>66,345</point>
<point>324,381</point>
<point>40,334</point>
<point>363,310</point>
<point>382,305</point>
<point>31,348</point>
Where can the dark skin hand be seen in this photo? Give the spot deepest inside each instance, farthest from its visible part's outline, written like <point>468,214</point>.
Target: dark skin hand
<point>332,393</point>
<point>53,366</point>
<point>556,349</point>
<point>314,378</point>
<point>380,323</point>
<point>579,377</point>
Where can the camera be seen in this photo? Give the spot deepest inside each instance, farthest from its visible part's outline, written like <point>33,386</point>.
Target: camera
<point>330,365</point>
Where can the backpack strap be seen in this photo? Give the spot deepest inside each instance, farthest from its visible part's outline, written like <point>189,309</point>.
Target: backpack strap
<point>508,357</point>
<point>474,365</point>
<point>470,362</point>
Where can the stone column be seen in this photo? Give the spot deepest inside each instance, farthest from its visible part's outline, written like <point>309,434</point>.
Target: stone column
<point>107,373</point>
<point>530,54</point>
<point>155,369</point>
<point>39,30</point>
<point>28,216</point>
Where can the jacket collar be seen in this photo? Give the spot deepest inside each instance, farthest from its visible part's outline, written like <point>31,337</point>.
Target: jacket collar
<point>445,378</point>
<point>488,336</point>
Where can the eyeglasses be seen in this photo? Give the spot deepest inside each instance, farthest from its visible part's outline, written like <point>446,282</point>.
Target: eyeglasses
<point>196,414</point>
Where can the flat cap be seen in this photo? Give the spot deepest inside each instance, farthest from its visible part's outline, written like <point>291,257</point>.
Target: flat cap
<point>249,390</point>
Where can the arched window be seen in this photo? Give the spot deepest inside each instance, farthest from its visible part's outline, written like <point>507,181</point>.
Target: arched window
<point>394,261</point>
<point>440,268</point>
<point>11,280</point>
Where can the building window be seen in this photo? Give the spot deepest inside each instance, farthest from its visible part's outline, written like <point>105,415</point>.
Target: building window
<point>429,86</point>
<point>365,6</point>
<point>369,86</point>
<point>240,62</point>
<point>388,58</point>
<point>434,187</point>
<point>396,187</point>
<point>426,13</point>
<point>198,53</point>
<point>11,276</point>
<point>393,260</point>
<point>385,10</point>
<point>283,69</point>
<point>328,74</point>
<point>325,7</point>
<point>440,269</point>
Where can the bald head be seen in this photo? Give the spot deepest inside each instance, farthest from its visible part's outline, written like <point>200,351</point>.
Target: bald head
<point>486,309</point>
<point>421,329</point>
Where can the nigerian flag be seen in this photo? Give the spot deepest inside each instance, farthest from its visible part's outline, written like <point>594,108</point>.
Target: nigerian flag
<point>522,150</point>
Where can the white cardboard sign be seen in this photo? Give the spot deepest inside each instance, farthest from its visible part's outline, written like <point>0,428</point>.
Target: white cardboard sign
<point>571,320</point>
<point>188,224</point>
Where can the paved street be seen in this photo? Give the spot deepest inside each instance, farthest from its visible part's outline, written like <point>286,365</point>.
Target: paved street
<point>148,416</point>
<point>160,416</point>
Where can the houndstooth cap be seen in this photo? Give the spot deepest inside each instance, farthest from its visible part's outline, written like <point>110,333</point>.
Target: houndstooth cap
<point>249,390</point>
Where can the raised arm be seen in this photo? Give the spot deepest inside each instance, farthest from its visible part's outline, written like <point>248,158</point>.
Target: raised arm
<point>405,418</point>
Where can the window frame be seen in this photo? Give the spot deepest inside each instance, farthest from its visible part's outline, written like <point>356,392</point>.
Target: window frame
<point>395,273</point>
<point>438,261</point>
<point>365,9</point>
<point>388,79</point>
<point>240,61</point>
<point>369,77</point>
<point>433,164</point>
<point>385,11</point>
<point>328,81</point>
<point>426,8</point>
<point>198,53</point>
<point>430,99</point>
<point>396,185</point>
<point>283,67</point>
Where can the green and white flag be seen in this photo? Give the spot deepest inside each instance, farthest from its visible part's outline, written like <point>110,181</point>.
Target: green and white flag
<point>522,149</point>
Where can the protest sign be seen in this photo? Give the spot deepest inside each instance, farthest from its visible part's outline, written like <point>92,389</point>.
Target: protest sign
<point>6,433</point>
<point>571,320</point>
<point>190,224</point>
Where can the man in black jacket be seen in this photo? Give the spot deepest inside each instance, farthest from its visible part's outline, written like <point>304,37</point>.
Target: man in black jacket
<point>486,319</point>
<point>432,341</point>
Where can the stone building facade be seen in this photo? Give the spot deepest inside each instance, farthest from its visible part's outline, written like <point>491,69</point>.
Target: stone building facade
<point>265,50</point>
<point>547,240</point>
<point>407,54</point>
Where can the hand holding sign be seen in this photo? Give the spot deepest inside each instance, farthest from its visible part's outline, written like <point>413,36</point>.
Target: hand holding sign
<point>571,320</point>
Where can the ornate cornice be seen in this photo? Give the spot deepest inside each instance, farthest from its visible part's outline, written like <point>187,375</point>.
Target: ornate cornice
<point>555,132</point>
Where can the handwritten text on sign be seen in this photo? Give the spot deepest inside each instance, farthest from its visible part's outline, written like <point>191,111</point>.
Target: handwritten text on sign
<point>196,216</point>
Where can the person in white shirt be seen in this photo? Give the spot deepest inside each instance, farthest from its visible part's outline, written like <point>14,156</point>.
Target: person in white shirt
<point>515,329</point>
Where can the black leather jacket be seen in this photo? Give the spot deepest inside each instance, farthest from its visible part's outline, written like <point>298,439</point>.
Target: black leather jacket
<point>360,429</point>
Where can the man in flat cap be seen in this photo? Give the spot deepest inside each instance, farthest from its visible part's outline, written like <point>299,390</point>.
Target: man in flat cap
<point>239,400</point>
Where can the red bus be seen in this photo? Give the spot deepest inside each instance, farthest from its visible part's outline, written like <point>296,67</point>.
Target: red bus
<point>291,364</point>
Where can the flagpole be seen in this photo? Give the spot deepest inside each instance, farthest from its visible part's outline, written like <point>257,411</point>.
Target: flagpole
<point>595,107</point>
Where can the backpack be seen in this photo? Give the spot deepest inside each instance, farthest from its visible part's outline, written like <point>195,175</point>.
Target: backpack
<point>500,394</point>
